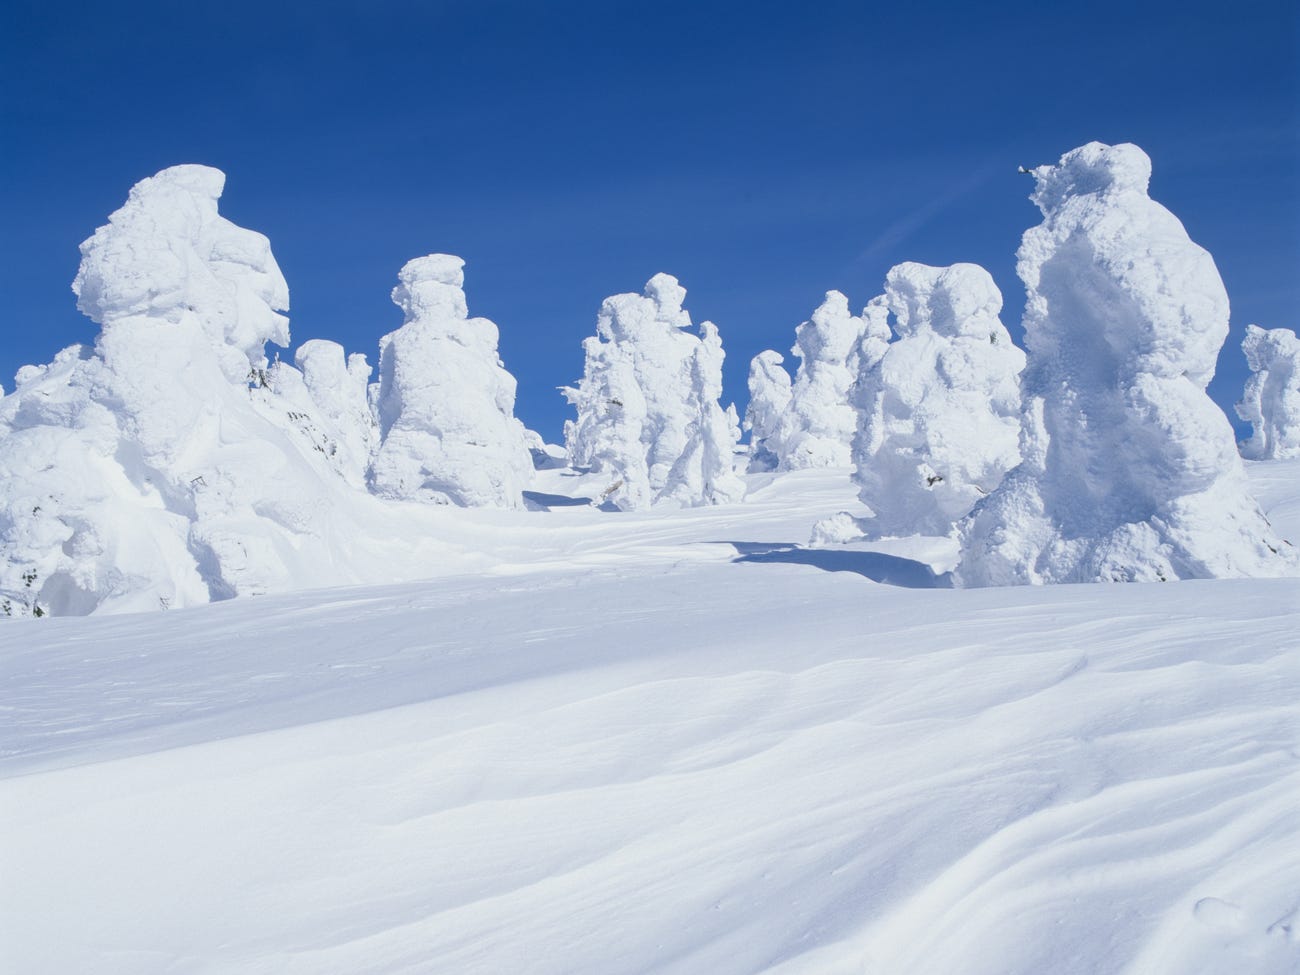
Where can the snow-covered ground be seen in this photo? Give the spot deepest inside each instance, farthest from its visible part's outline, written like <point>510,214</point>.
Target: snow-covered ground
<point>663,741</point>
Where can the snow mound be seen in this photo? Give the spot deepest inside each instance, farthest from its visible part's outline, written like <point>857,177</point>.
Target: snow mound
<point>445,402</point>
<point>940,407</point>
<point>648,418</point>
<point>1130,472</point>
<point>1271,403</point>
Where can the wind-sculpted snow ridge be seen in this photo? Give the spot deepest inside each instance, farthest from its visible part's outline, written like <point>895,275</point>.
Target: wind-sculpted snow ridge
<point>817,427</point>
<point>939,408</point>
<point>168,465</point>
<point>1271,403</point>
<point>445,401</point>
<point>635,761</point>
<point>648,412</point>
<point>1130,471</point>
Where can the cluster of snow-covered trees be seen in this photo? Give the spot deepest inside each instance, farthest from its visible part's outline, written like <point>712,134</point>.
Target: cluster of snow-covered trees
<point>171,463</point>
<point>1095,456</point>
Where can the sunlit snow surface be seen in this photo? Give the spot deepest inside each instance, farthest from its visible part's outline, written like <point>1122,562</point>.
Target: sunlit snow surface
<point>677,741</point>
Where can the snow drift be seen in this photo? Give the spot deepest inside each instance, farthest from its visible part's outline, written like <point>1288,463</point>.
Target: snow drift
<point>649,752</point>
<point>1130,471</point>
<point>1271,402</point>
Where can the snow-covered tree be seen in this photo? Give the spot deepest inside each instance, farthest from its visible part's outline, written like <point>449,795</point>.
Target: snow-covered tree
<point>1271,403</point>
<point>940,408</point>
<point>705,471</point>
<point>142,471</point>
<point>1130,472</point>
<point>769,396</point>
<point>612,416</point>
<point>817,427</point>
<point>811,423</point>
<point>324,401</point>
<point>648,412</point>
<point>445,402</point>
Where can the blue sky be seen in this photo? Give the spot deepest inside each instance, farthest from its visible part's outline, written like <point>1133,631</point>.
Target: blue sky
<point>761,152</point>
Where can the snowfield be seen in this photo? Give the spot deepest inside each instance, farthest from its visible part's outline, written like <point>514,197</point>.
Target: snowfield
<point>664,741</point>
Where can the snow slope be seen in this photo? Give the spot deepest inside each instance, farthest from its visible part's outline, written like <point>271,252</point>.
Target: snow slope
<point>663,741</point>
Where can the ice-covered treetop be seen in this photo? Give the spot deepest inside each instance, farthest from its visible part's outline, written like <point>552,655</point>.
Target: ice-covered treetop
<point>167,254</point>
<point>432,287</point>
<point>1265,348</point>
<point>957,300</point>
<point>1155,304</point>
<point>1092,169</point>
<point>629,316</point>
<point>831,333</point>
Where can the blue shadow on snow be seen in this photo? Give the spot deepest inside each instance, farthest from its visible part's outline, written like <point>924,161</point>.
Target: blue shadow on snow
<point>889,570</point>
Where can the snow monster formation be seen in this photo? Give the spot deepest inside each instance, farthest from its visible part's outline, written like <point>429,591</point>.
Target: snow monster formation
<point>769,396</point>
<point>939,409</point>
<point>157,468</point>
<point>648,412</point>
<point>445,402</point>
<point>1130,471</point>
<point>1271,403</point>
<point>817,426</point>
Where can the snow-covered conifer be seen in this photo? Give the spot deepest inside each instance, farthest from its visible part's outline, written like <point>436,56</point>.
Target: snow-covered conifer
<point>648,412</point>
<point>939,409</point>
<point>705,470</point>
<point>606,436</point>
<point>816,429</point>
<point>1271,403</point>
<point>168,256</point>
<point>445,402</point>
<point>1130,472</point>
<point>769,395</point>
<point>143,471</point>
<point>324,401</point>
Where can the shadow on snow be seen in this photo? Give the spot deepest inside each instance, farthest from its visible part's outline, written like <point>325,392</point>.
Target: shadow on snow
<point>889,570</point>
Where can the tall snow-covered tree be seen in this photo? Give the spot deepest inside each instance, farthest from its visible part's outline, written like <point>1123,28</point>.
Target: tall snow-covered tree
<point>811,422</point>
<point>940,408</point>
<point>1130,471</point>
<point>648,412</point>
<point>445,401</point>
<point>1271,402</point>
<point>769,396</point>
<point>143,471</point>
<point>816,429</point>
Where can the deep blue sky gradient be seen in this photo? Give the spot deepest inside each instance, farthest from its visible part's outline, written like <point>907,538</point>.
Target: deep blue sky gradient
<point>762,152</point>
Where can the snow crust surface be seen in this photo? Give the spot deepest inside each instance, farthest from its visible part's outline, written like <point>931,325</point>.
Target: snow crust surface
<point>620,747</point>
<point>1271,403</point>
<point>1130,471</point>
